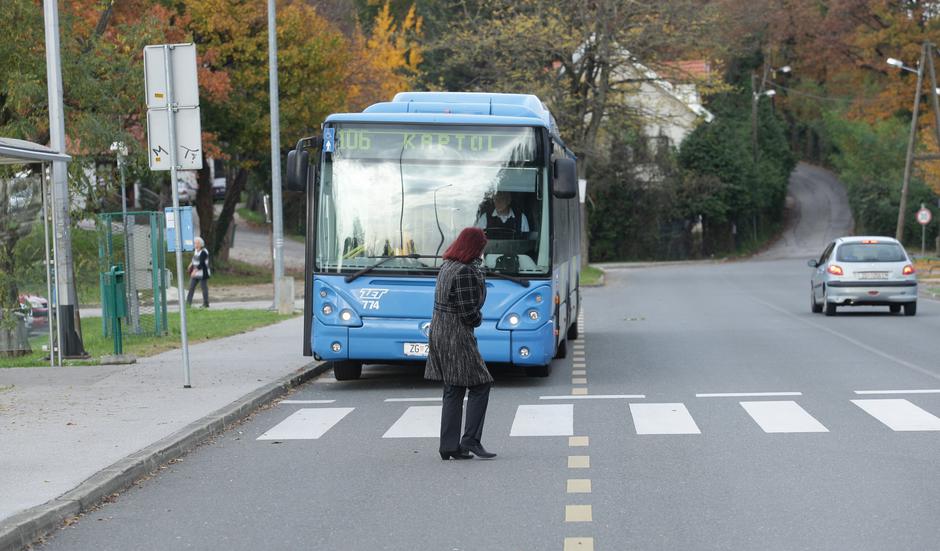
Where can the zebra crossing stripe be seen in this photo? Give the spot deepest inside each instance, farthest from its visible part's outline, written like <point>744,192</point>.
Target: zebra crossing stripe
<point>551,420</point>
<point>417,422</point>
<point>663,419</point>
<point>782,416</point>
<point>899,414</point>
<point>306,424</point>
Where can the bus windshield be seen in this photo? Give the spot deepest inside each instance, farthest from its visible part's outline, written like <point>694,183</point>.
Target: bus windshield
<point>395,189</point>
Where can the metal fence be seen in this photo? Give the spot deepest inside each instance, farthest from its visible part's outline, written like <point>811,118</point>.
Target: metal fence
<point>136,243</point>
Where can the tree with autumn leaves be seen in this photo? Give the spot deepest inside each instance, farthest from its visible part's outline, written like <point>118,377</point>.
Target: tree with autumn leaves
<point>845,106</point>
<point>322,69</point>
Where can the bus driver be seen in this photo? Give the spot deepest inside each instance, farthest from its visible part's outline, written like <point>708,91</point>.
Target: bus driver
<point>504,216</point>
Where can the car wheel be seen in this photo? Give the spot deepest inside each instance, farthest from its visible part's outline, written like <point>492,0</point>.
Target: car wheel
<point>910,308</point>
<point>829,306</point>
<point>347,370</point>
<point>538,370</point>
<point>894,308</point>
<point>814,306</point>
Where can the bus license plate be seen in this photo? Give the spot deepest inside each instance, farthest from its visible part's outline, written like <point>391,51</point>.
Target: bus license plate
<point>416,349</point>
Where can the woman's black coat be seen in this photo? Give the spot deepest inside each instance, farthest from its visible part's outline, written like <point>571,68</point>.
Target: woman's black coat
<point>453,355</point>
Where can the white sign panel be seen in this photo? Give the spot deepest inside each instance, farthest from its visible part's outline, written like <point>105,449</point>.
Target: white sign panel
<point>924,216</point>
<point>582,189</point>
<point>185,83</point>
<point>188,139</point>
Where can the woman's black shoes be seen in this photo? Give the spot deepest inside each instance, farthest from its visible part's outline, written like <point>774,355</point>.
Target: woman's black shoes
<point>478,450</point>
<point>460,454</point>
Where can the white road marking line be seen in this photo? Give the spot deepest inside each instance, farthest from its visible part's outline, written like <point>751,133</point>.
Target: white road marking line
<point>746,394</point>
<point>663,419</point>
<point>306,424</point>
<point>782,416</point>
<point>306,401</point>
<point>543,421</point>
<point>899,414</point>
<point>596,397</point>
<point>849,339</point>
<point>417,422</point>
<point>917,391</point>
<point>413,399</point>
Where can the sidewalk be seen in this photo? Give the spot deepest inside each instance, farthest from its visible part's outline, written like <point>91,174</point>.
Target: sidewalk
<point>69,436</point>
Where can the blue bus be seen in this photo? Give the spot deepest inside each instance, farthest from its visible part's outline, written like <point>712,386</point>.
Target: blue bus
<point>390,188</point>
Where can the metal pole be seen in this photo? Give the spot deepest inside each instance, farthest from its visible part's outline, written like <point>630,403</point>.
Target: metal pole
<point>66,299</point>
<point>277,217</point>
<point>45,236</point>
<point>909,161</point>
<point>933,91</point>
<point>171,109</point>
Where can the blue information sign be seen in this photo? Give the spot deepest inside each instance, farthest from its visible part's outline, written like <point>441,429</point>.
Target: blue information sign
<point>186,228</point>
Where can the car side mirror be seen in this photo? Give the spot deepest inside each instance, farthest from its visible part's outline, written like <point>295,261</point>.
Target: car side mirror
<point>565,183</point>
<point>298,164</point>
<point>812,263</point>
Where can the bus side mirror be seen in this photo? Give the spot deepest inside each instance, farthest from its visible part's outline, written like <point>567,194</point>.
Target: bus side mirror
<point>298,163</point>
<point>565,184</point>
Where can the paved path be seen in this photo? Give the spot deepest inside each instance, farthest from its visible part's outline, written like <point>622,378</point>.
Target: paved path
<point>254,247</point>
<point>60,426</point>
<point>819,212</point>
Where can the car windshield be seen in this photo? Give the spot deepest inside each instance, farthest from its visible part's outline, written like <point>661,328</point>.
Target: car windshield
<point>870,252</point>
<point>390,190</point>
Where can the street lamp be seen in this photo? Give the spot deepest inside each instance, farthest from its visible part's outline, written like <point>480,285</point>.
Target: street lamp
<point>759,91</point>
<point>900,65</point>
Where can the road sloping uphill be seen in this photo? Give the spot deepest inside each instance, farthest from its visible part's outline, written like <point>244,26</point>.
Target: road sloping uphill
<point>818,213</point>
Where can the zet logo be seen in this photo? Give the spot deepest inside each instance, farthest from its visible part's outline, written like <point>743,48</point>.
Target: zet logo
<point>372,294</point>
<point>370,298</point>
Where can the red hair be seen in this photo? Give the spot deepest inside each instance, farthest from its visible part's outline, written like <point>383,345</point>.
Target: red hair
<point>467,247</point>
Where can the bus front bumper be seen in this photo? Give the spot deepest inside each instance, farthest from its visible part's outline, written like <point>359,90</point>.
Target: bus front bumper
<point>386,340</point>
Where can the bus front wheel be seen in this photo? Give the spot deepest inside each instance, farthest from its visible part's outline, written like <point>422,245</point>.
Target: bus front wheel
<point>562,350</point>
<point>347,370</point>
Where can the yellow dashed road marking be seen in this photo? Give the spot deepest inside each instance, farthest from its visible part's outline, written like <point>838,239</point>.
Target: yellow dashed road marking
<point>578,513</point>
<point>575,441</point>
<point>579,392</point>
<point>579,544</point>
<point>579,372</point>
<point>579,485</point>
<point>579,381</point>
<point>579,461</point>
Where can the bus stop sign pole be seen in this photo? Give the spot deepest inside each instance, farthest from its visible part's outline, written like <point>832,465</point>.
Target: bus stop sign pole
<point>172,124</point>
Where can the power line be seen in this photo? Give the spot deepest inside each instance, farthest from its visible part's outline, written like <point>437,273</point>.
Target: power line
<point>849,99</point>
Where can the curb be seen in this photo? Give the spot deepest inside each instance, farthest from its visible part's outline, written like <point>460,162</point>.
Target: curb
<point>22,529</point>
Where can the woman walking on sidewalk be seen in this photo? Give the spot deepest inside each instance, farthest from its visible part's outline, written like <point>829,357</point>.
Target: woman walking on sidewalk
<point>199,273</point>
<point>453,356</point>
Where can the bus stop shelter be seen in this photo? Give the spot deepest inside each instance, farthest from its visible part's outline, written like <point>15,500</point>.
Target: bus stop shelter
<point>21,152</point>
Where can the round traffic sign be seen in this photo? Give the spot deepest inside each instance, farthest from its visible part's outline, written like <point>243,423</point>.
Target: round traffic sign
<point>924,216</point>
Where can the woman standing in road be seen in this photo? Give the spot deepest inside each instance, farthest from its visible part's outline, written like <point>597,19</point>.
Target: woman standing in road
<point>453,356</point>
<point>199,273</point>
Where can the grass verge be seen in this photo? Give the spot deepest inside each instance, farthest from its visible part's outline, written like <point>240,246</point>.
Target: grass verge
<point>202,324</point>
<point>591,275</point>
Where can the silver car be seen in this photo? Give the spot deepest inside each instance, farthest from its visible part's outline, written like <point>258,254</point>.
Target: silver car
<point>863,271</point>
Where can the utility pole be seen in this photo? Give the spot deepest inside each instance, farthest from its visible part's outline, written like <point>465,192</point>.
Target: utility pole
<point>926,52</point>
<point>66,300</point>
<point>277,210</point>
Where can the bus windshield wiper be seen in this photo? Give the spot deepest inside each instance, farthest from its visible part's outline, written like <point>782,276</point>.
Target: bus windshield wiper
<point>351,277</point>
<point>514,279</point>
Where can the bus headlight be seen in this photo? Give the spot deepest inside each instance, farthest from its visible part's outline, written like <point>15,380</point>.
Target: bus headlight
<point>524,352</point>
<point>336,347</point>
<point>345,315</point>
<point>513,319</point>
<point>534,315</point>
<point>327,309</point>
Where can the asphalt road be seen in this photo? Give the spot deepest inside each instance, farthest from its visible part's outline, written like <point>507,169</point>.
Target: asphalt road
<point>718,413</point>
<point>670,470</point>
